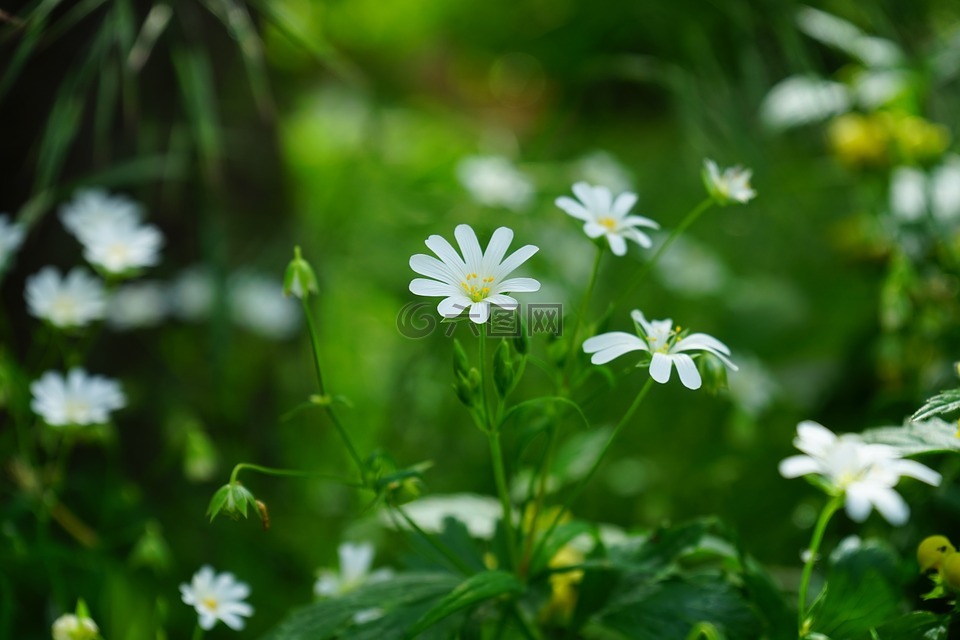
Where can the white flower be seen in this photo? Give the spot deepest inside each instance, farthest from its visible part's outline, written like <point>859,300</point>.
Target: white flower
<point>77,399</point>
<point>800,100</point>
<point>192,294</point>
<point>110,231</point>
<point>132,306</point>
<point>69,626</point>
<point>73,301</point>
<point>121,248</point>
<point>355,562</point>
<point>733,185</point>
<point>478,513</point>
<point>493,181</point>
<point>604,216</point>
<point>864,473</point>
<point>217,597</point>
<point>476,280</point>
<point>257,303</point>
<point>11,237</point>
<point>913,193</point>
<point>94,209</point>
<point>666,346</point>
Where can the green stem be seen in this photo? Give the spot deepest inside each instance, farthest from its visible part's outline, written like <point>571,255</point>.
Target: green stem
<point>818,531</point>
<point>289,473</point>
<point>528,630</point>
<point>451,557</point>
<point>315,343</point>
<point>197,632</point>
<point>582,483</point>
<point>688,220</point>
<point>584,304</point>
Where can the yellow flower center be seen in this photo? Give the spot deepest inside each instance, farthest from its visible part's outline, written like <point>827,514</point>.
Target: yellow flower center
<point>210,603</point>
<point>608,222</point>
<point>475,287</point>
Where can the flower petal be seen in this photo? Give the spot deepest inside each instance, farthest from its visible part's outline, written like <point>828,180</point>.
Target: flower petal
<point>496,248</point>
<point>890,505</point>
<point>430,288</point>
<point>585,193</point>
<point>913,469</point>
<point>432,268</point>
<point>514,260</point>
<point>446,252</point>
<point>687,371</point>
<point>623,204</point>
<point>617,244</point>
<point>858,502</point>
<point>607,354</point>
<point>453,306</point>
<point>611,339</point>
<point>469,247</point>
<point>573,208</point>
<point>480,312</point>
<point>660,367</point>
<point>796,466</point>
<point>639,221</point>
<point>502,301</point>
<point>594,229</point>
<point>519,285</point>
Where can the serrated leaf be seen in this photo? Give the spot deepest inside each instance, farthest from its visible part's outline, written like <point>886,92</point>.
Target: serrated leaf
<point>919,625</point>
<point>474,590</point>
<point>862,591</point>
<point>915,438</point>
<point>940,404</point>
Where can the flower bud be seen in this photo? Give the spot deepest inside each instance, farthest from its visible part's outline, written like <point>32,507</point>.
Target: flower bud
<point>76,626</point>
<point>234,500</point>
<point>151,550</point>
<point>712,372</point>
<point>950,571</point>
<point>461,364</point>
<point>466,387</point>
<point>932,552</point>
<point>299,279</point>
<point>503,371</point>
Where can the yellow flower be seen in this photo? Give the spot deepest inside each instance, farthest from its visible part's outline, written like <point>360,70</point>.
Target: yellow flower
<point>859,140</point>
<point>932,552</point>
<point>563,585</point>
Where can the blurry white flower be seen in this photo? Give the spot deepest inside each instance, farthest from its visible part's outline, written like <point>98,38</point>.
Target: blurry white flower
<point>601,168</point>
<point>478,513</point>
<point>257,303</point>
<point>11,237</point>
<point>666,345</point>
<point>121,248</point>
<point>355,562</point>
<point>73,301</point>
<point>367,615</point>
<point>191,294</point>
<point>733,185</point>
<point>840,34</point>
<point>493,181</point>
<point>691,268</point>
<point>876,88</point>
<point>77,399</point>
<point>217,597</point>
<point>864,473</point>
<point>95,209</point>
<point>603,215</point>
<point>137,305</point>
<point>69,626</point>
<point>800,100</point>
<point>913,193</point>
<point>475,281</point>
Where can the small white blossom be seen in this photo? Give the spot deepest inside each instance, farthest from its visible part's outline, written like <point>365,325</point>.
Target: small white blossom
<point>355,562</point>
<point>733,185</point>
<point>800,100</point>
<point>94,209</point>
<point>69,626</point>
<point>475,281</point>
<point>73,301</point>
<point>217,597</point>
<point>666,344</point>
<point>137,305</point>
<point>602,215</point>
<point>77,399</point>
<point>493,181</point>
<point>913,193</point>
<point>257,303</point>
<point>11,237</point>
<point>191,295</point>
<point>864,473</point>
<point>122,248</point>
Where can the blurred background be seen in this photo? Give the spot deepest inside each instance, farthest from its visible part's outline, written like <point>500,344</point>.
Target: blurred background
<point>357,128</point>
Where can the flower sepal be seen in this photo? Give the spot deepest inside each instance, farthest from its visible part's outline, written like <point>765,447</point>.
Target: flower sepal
<point>299,280</point>
<point>233,500</point>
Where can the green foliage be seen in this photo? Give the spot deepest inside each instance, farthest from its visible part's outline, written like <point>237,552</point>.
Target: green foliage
<point>939,405</point>
<point>916,438</point>
<point>474,590</point>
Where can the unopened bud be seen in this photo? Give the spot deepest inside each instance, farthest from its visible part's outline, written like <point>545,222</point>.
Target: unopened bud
<point>713,373</point>
<point>932,552</point>
<point>232,499</point>
<point>461,364</point>
<point>503,371</point>
<point>299,279</point>
<point>76,626</point>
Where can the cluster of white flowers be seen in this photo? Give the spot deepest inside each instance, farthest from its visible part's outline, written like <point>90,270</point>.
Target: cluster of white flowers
<point>863,473</point>
<point>914,193</point>
<point>493,181</point>
<point>112,233</point>
<point>217,597</point>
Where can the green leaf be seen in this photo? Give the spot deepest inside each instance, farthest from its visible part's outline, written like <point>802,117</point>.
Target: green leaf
<point>396,598</point>
<point>913,626</point>
<point>218,500</point>
<point>940,404</point>
<point>474,590</point>
<point>671,609</point>
<point>195,74</point>
<point>915,438</point>
<point>862,591</point>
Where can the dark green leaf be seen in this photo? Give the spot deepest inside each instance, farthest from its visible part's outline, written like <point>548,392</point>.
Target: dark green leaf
<point>919,625</point>
<point>474,590</point>
<point>940,404</point>
<point>915,438</point>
